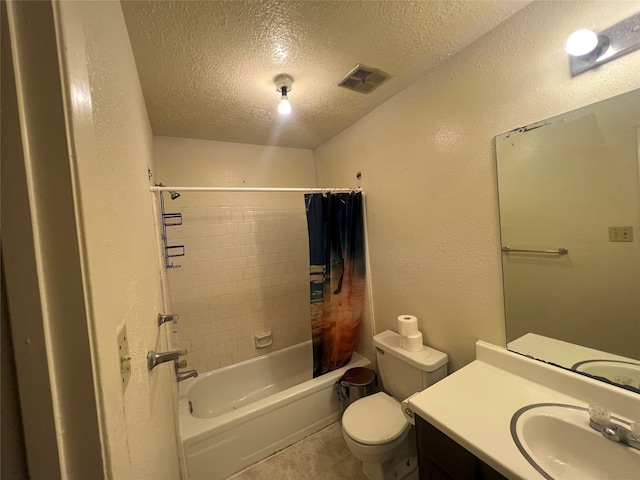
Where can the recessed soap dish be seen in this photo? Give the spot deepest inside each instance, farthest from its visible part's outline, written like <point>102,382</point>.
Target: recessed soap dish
<point>264,339</point>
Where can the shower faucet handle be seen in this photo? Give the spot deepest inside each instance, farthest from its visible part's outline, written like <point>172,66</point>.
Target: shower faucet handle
<point>167,317</point>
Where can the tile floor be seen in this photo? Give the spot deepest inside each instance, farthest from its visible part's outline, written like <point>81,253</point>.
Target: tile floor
<point>321,456</point>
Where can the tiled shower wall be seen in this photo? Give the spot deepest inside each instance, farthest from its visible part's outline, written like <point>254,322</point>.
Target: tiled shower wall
<point>245,271</point>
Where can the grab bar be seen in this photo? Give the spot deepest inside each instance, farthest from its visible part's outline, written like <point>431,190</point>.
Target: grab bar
<point>559,251</point>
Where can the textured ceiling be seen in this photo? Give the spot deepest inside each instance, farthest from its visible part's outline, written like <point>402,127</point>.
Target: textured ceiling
<point>207,68</point>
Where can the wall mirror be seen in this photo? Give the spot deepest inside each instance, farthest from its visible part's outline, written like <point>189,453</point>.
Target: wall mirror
<point>569,216</point>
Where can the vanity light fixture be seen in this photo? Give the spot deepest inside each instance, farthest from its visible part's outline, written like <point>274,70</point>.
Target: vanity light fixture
<point>587,49</point>
<point>581,42</point>
<point>283,85</point>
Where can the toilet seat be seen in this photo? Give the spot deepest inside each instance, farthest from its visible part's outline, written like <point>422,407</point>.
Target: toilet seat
<point>374,420</point>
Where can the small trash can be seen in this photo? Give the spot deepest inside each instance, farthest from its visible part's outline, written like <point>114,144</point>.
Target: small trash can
<point>356,383</point>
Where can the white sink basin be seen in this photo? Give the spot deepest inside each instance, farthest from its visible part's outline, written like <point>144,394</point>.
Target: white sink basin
<point>622,373</point>
<point>558,442</point>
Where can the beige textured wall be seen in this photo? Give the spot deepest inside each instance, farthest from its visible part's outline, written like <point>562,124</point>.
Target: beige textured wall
<point>205,163</point>
<point>428,167</point>
<point>111,138</point>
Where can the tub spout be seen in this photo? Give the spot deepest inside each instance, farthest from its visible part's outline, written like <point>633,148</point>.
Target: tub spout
<point>186,374</point>
<point>155,358</point>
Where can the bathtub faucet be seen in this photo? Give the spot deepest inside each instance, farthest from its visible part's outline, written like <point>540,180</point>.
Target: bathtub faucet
<point>155,358</point>
<point>186,374</point>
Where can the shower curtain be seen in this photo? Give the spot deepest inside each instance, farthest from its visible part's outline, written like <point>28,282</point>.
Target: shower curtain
<point>337,267</point>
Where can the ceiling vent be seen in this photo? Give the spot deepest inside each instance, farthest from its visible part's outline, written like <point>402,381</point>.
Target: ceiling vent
<point>364,79</point>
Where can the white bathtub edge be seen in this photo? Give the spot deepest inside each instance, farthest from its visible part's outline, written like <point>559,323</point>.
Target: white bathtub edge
<point>193,430</point>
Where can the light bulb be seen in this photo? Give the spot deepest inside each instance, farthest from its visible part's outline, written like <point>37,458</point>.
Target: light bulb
<point>284,107</point>
<point>581,42</point>
<point>283,85</point>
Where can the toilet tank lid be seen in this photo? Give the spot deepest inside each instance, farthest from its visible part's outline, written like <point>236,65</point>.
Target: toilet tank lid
<point>427,359</point>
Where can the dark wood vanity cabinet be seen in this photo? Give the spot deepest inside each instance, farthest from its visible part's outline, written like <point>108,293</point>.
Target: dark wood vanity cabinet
<point>440,458</point>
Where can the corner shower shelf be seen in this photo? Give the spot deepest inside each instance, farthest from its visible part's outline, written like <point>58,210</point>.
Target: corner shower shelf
<point>170,251</point>
<point>172,219</point>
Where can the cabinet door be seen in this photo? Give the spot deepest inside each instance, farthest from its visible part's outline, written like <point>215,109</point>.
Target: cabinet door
<point>430,471</point>
<point>440,457</point>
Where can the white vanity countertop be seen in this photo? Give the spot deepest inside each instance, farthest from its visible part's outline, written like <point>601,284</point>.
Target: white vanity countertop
<point>474,405</point>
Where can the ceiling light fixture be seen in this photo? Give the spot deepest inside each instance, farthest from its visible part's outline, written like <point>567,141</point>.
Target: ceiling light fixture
<point>587,49</point>
<point>283,85</point>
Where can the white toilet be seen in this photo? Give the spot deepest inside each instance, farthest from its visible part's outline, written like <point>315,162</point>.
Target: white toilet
<point>374,427</point>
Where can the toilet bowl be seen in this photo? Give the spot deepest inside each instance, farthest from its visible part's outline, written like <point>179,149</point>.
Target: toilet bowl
<point>377,440</point>
<point>374,427</point>
<point>378,435</point>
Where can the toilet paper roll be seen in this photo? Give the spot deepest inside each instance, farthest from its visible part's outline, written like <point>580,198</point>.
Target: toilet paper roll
<point>407,411</point>
<point>411,343</point>
<point>407,325</point>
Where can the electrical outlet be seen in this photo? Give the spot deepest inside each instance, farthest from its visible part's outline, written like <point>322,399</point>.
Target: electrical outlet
<point>621,234</point>
<point>125,358</point>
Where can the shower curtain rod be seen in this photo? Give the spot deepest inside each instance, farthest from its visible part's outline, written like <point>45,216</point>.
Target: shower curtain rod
<point>253,189</point>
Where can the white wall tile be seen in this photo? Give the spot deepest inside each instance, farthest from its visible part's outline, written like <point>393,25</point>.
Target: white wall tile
<point>212,364</point>
<point>245,271</point>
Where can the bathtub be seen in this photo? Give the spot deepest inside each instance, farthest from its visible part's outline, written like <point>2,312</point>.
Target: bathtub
<point>235,416</point>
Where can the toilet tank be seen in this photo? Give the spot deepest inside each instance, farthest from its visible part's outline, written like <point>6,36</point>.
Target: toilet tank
<point>404,373</point>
